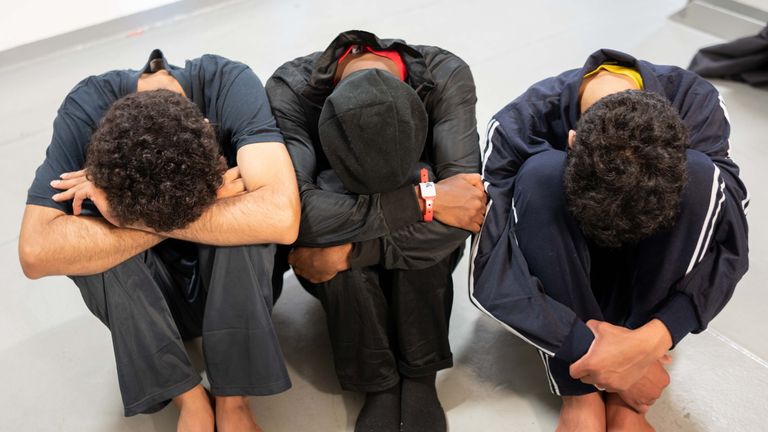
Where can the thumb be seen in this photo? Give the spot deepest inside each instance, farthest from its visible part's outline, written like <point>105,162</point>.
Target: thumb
<point>577,369</point>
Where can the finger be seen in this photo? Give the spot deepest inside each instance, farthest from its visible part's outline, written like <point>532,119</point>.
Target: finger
<point>593,324</point>
<point>474,179</point>
<point>77,202</point>
<point>231,174</point>
<point>238,185</point>
<point>298,271</point>
<point>231,189</point>
<point>577,370</point>
<point>69,183</point>
<point>73,174</point>
<point>65,196</point>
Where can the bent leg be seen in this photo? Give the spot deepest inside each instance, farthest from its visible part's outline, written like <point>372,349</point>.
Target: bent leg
<point>663,259</point>
<point>140,305</point>
<point>357,317</point>
<point>421,312</point>
<point>555,250</point>
<point>242,353</point>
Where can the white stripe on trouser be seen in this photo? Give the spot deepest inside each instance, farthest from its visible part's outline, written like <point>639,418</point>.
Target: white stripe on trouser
<point>471,285</point>
<point>710,210</point>
<point>550,378</point>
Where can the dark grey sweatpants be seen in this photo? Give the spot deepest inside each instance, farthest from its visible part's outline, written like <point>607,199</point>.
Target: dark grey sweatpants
<point>149,316</point>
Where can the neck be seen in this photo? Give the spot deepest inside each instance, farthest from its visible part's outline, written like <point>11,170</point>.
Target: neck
<point>603,84</point>
<point>159,80</point>
<point>354,63</point>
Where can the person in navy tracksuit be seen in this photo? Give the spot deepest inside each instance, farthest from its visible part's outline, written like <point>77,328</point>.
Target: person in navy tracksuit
<point>616,226</point>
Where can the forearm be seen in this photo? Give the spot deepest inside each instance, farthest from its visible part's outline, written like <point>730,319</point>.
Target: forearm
<point>413,247</point>
<point>331,218</point>
<point>264,215</point>
<point>79,245</point>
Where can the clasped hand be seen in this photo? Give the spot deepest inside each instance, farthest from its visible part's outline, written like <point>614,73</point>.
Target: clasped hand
<point>319,265</point>
<point>627,362</point>
<point>461,202</point>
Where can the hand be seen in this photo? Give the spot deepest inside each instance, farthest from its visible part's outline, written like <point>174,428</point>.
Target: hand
<point>319,265</point>
<point>76,187</point>
<point>619,357</point>
<point>232,184</point>
<point>460,201</point>
<point>649,387</point>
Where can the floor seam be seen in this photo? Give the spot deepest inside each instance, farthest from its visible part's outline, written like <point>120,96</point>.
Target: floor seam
<point>730,342</point>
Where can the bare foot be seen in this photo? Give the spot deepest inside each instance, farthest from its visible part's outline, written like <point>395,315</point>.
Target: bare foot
<point>584,413</point>
<point>234,415</point>
<point>195,412</point>
<point>620,417</point>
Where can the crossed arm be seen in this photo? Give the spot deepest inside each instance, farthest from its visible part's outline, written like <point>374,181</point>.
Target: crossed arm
<point>54,243</point>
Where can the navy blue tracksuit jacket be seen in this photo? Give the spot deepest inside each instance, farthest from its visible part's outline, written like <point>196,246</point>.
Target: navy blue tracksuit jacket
<point>539,120</point>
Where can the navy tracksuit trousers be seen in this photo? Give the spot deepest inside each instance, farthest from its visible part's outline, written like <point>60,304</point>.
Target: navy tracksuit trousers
<point>623,286</point>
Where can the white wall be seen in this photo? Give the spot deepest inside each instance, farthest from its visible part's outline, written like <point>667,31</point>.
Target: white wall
<point>25,21</point>
<point>760,4</point>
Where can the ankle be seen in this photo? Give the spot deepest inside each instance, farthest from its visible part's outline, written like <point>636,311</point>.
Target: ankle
<point>194,397</point>
<point>231,402</point>
<point>582,413</point>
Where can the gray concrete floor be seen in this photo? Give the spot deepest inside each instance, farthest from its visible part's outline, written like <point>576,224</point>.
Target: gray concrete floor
<point>56,360</point>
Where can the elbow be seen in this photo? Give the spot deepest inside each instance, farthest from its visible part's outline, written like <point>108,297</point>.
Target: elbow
<point>291,220</point>
<point>29,257</point>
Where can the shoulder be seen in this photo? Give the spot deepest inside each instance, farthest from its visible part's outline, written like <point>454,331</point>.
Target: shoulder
<point>212,69</point>
<point>544,98</point>
<point>92,96</point>
<point>294,73</point>
<point>680,85</point>
<point>441,63</point>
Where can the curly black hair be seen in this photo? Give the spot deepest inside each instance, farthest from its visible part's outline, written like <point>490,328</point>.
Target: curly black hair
<point>627,168</point>
<point>157,160</point>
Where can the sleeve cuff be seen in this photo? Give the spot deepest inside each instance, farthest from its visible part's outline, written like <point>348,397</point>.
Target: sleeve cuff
<point>400,207</point>
<point>679,315</point>
<point>577,342</point>
<point>365,254</point>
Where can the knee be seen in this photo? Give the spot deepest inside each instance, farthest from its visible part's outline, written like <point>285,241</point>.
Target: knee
<point>539,182</point>
<point>702,180</point>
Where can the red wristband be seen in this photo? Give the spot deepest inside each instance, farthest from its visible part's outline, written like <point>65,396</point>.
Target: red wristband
<point>428,194</point>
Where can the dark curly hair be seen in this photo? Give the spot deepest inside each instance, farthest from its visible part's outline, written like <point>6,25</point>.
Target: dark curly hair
<point>627,168</point>
<point>157,160</point>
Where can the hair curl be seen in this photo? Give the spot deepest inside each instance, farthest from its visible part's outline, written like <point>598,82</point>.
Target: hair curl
<point>157,160</point>
<point>627,168</point>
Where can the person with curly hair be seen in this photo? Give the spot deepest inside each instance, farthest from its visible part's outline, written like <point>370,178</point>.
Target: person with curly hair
<point>616,226</point>
<point>162,195</point>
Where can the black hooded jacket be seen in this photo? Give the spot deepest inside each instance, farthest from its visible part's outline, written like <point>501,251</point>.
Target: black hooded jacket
<point>386,228</point>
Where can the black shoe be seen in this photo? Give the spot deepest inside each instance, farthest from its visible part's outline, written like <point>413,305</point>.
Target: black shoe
<point>420,409</point>
<point>381,412</point>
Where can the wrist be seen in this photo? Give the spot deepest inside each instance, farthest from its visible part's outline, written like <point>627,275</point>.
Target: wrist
<point>419,199</point>
<point>656,337</point>
<point>428,194</point>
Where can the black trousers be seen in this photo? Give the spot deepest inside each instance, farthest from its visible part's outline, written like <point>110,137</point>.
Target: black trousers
<point>149,315</point>
<point>624,286</point>
<point>387,323</point>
